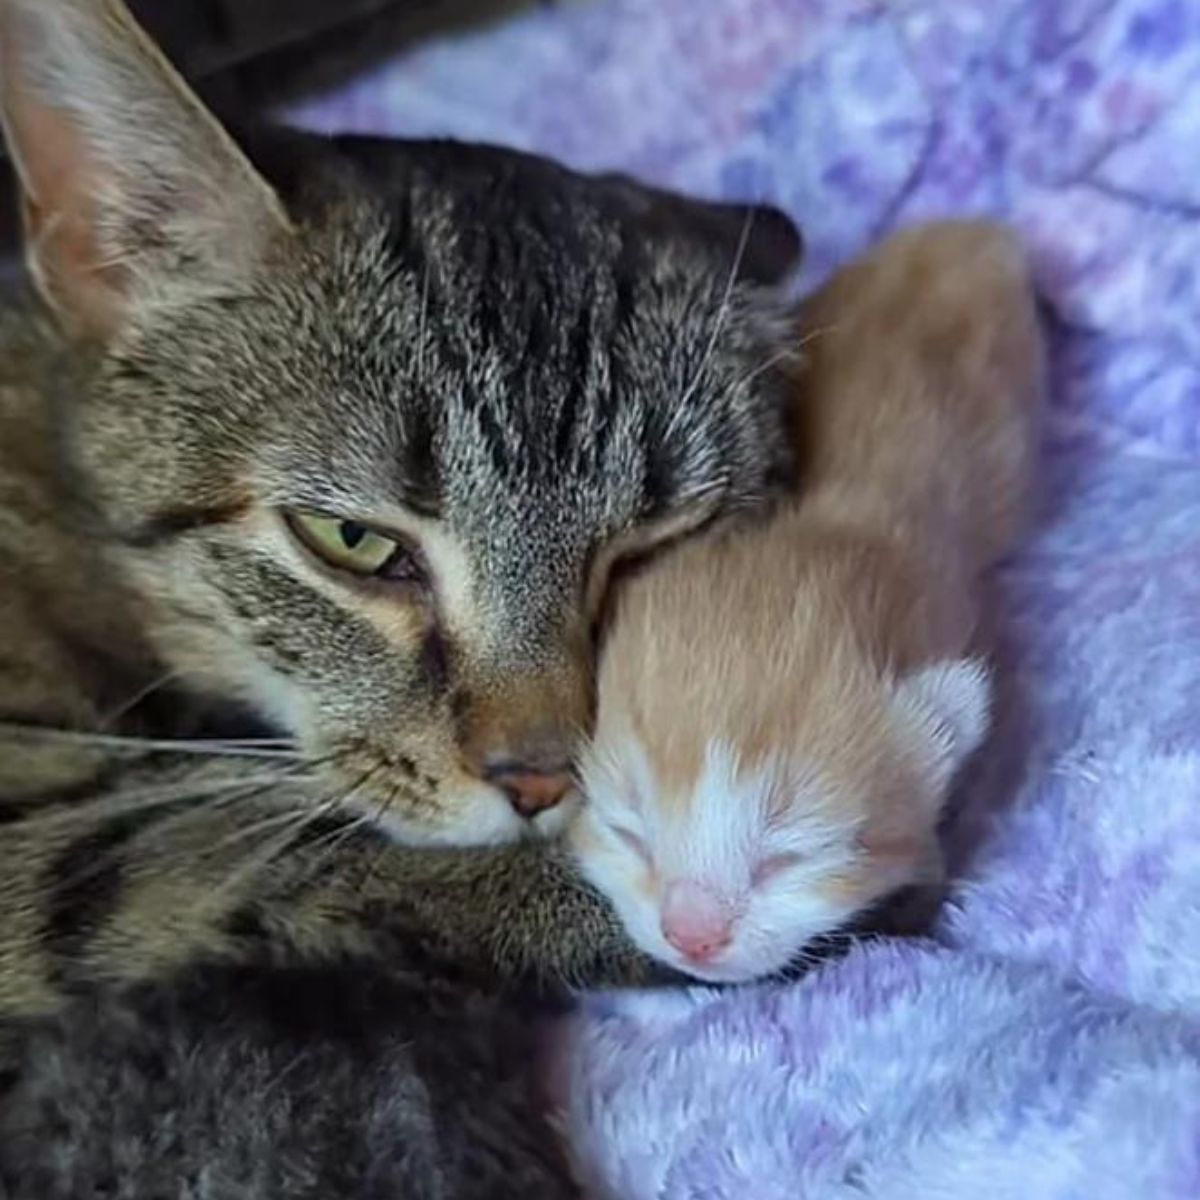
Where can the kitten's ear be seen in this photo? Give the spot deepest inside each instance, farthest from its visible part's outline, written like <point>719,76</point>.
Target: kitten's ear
<point>761,243</point>
<point>951,703</point>
<point>129,186</point>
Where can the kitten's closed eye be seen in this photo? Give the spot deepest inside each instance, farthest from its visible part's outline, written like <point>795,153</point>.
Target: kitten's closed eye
<point>634,843</point>
<point>351,546</point>
<point>769,868</point>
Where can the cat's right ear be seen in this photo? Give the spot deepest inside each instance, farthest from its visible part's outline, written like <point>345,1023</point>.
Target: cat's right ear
<point>131,190</point>
<point>761,244</point>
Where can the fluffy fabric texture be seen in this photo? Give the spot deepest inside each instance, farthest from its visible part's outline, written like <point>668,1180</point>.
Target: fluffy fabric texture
<point>1045,1044</point>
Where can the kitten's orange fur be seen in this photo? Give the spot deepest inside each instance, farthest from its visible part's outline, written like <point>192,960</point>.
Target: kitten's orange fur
<point>782,706</point>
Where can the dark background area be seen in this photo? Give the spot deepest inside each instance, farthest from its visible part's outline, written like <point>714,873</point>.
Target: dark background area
<point>247,55</point>
<point>258,52</point>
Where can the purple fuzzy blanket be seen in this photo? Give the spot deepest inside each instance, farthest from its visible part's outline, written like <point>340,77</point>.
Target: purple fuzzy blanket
<point>1045,1045</point>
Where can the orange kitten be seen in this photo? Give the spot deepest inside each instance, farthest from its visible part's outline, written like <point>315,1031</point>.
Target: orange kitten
<point>783,705</point>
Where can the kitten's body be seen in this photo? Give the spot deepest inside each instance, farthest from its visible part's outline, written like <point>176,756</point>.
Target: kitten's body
<point>782,707</point>
<point>519,373</point>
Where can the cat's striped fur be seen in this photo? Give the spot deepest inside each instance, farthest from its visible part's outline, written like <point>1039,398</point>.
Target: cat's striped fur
<point>527,374</point>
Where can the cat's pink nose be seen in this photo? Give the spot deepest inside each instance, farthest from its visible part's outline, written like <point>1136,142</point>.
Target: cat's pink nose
<point>696,921</point>
<point>531,792</point>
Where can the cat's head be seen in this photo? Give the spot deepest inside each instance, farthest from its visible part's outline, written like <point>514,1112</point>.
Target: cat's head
<point>371,437</point>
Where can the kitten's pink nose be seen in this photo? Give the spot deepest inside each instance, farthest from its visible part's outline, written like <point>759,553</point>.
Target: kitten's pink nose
<point>696,921</point>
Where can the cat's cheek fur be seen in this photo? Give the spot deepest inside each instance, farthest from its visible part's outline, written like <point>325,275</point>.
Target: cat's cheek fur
<point>333,667</point>
<point>200,638</point>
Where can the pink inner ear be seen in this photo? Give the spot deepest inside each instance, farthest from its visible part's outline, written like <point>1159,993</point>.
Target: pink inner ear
<point>61,186</point>
<point>65,257</point>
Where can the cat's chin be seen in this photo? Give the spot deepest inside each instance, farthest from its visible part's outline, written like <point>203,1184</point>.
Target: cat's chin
<point>478,815</point>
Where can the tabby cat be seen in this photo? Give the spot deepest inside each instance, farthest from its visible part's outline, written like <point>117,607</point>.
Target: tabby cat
<point>317,459</point>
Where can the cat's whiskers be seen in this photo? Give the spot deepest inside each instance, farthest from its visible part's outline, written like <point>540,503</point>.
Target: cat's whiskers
<point>793,353</point>
<point>332,841</point>
<point>421,325</point>
<point>109,719</point>
<point>238,793</point>
<point>138,800</point>
<point>384,809</point>
<point>261,857</point>
<point>681,407</point>
<point>299,820</point>
<point>335,837</point>
<point>788,354</point>
<point>329,842</point>
<point>289,816</point>
<point>206,795</point>
<point>133,744</point>
<point>261,743</point>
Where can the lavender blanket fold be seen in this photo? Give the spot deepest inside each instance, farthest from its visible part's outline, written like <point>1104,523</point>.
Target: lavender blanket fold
<point>1045,1043</point>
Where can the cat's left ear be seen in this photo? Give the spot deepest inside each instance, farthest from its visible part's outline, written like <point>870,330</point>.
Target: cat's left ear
<point>760,243</point>
<point>131,190</point>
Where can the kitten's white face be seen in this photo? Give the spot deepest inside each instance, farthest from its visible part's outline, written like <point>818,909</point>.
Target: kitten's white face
<point>729,871</point>
<point>727,883</point>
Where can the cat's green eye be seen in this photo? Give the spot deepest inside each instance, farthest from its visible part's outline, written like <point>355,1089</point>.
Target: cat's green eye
<point>351,546</point>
